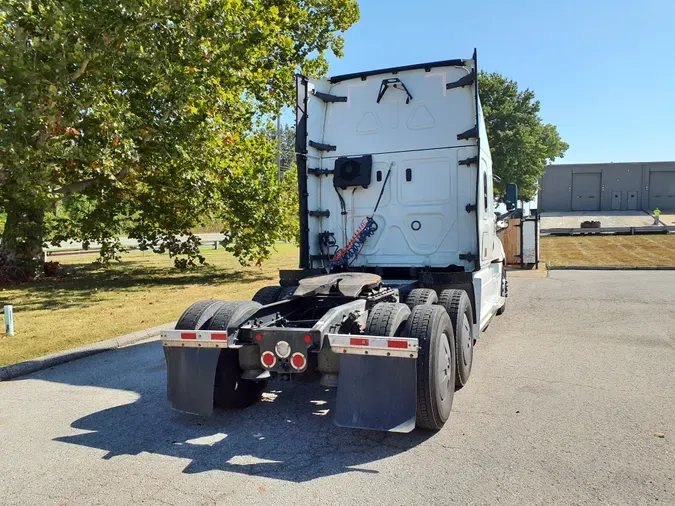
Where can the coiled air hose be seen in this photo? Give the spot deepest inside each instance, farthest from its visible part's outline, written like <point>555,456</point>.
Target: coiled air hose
<point>367,228</point>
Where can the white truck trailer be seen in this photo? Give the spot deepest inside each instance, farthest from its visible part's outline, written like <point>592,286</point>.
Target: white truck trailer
<point>400,264</point>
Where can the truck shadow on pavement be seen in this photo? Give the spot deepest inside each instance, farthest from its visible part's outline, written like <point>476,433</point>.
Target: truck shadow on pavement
<point>289,435</point>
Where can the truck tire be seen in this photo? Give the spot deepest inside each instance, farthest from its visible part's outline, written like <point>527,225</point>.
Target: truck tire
<point>436,364</point>
<point>230,390</point>
<point>198,314</point>
<point>505,290</point>
<point>458,305</point>
<point>387,319</point>
<point>267,295</point>
<point>420,296</point>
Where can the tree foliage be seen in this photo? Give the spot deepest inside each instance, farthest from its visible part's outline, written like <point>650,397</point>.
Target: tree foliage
<point>520,142</point>
<point>287,145</point>
<point>156,113</point>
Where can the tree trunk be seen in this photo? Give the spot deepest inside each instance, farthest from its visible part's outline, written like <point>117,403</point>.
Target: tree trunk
<point>21,255</point>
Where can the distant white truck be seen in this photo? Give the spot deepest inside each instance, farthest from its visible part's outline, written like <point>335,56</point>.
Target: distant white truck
<point>400,264</point>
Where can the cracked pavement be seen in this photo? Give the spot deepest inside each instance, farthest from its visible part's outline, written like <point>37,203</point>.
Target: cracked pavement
<point>569,392</point>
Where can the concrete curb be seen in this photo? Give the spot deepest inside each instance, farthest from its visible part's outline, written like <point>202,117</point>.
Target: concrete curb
<point>606,268</point>
<point>40,363</point>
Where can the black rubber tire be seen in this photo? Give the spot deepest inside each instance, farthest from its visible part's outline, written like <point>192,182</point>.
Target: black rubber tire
<point>233,313</point>
<point>421,296</point>
<point>286,292</point>
<point>230,391</point>
<point>436,364</point>
<point>458,305</point>
<point>387,319</point>
<point>505,284</point>
<point>198,315</point>
<point>267,295</point>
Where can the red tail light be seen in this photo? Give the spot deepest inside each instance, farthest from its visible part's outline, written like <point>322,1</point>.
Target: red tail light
<point>298,361</point>
<point>268,359</point>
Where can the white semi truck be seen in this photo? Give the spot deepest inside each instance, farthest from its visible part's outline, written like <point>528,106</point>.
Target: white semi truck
<point>400,264</point>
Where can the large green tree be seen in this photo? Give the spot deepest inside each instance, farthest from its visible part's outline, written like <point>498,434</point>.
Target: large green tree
<point>520,142</point>
<point>156,114</point>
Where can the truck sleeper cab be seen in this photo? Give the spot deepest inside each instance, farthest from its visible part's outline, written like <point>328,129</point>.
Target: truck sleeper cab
<point>400,265</point>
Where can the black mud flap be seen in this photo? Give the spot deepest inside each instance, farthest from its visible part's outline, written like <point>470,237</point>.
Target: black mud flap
<point>377,393</point>
<point>191,374</point>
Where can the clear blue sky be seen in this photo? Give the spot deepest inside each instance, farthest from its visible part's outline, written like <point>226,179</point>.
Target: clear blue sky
<point>604,71</point>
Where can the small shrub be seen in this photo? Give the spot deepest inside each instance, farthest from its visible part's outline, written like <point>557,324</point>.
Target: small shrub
<point>51,268</point>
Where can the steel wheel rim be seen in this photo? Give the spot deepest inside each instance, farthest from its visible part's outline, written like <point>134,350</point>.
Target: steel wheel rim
<point>444,378</point>
<point>467,342</point>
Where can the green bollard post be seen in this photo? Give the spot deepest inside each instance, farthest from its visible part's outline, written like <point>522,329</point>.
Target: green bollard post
<point>9,320</point>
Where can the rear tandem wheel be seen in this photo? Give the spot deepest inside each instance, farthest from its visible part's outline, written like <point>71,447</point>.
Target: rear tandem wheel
<point>270,294</point>
<point>505,291</point>
<point>198,314</point>
<point>421,296</point>
<point>230,389</point>
<point>436,364</point>
<point>267,295</point>
<point>387,319</point>
<point>458,305</point>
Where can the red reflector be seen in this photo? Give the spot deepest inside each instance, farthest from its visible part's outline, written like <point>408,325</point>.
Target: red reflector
<point>358,341</point>
<point>188,335</point>
<point>397,344</point>
<point>258,337</point>
<point>268,359</point>
<point>308,339</point>
<point>298,360</point>
<point>219,337</point>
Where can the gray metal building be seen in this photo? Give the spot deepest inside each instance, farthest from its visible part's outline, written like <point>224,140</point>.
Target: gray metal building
<point>638,186</point>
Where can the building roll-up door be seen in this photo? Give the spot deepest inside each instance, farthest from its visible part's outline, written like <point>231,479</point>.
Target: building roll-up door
<point>662,190</point>
<point>586,192</point>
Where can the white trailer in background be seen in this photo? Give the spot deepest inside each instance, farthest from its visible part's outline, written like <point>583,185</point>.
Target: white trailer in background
<point>400,264</point>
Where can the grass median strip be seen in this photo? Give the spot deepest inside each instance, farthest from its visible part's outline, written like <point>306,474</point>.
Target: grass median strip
<point>89,303</point>
<point>610,250</point>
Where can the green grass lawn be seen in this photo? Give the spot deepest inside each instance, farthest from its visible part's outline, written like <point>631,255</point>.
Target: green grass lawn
<point>88,303</point>
<point>610,250</point>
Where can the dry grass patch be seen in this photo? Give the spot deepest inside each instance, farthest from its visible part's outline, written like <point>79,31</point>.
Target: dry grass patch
<point>610,250</point>
<point>90,303</point>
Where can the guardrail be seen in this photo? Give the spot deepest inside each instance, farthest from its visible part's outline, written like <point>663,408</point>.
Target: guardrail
<point>609,231</point>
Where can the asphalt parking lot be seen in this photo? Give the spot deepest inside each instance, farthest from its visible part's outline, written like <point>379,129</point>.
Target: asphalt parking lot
<point>570,392</point>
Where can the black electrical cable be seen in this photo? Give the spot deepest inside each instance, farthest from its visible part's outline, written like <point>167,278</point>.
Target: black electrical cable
<point>343,209</point>
<point>373,226</point>
<point>384,185</point>
<point>342,201</point>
